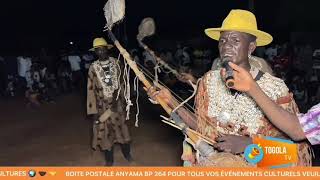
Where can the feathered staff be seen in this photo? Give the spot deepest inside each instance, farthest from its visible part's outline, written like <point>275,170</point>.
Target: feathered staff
<point>147,28</point>
<point>114,12</point>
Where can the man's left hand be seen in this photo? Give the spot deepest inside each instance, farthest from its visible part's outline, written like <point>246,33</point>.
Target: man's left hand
<point>233,144</point>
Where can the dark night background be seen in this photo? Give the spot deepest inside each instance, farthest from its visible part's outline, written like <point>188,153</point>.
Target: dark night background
<point>30,25</point>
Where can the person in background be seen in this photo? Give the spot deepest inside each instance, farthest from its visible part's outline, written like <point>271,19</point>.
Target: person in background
<point>271,52</point>
<point>185,60</point>
<point>88,59</point>
<point>135,55</point>
<point>169,57</point>
<point>64,76</point>
<point>148,61</point>
<point>107,110</point>
<point>11,90</point>
<point>24,65</point>
<point>179,53</point>
<point>77,76</point>
<point>34,86</point>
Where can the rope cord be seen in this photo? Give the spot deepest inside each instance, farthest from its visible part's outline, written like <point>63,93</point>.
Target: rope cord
<point>151,76</point>
<point>119,76</point>
<point>136,88</point>
<point>195,87</point>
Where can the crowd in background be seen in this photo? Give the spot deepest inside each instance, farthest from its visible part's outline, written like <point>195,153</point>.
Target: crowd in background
<point>43,77</point>
<point>298,65</point>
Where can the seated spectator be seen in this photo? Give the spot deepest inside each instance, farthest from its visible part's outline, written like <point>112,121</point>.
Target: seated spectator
<point>148,61</point>
<point>11,86</point>
<point>64,77</point>
<point>271,52</point>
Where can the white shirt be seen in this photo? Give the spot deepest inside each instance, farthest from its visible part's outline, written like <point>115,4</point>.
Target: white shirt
<point>29,79</point>
<point>185,58</point>
<point>74,62</point>
<point>43,72</point>
<point>24,65</point>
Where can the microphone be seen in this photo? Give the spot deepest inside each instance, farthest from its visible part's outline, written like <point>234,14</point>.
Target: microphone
<point>229,72</point>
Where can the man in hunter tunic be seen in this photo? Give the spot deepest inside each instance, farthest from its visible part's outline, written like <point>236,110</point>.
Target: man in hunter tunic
<point>105,103</point>
<point>221,112</point>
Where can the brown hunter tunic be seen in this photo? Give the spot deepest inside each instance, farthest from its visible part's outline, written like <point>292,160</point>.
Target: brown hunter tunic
<point>219,112</point>
<point>103,86</point>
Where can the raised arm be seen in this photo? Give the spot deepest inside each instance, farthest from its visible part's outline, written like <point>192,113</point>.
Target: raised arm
<point>284,120</point>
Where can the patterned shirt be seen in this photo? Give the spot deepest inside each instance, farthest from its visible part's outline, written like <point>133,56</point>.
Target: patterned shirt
<point>310,123</point>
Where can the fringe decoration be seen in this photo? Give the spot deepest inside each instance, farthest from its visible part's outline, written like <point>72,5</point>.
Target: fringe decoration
<point>127,90</point>
<point>156,71</point>
<point>126,93</point>
<point>136,88</point>
<point>119,77</point>
<point>195,87</point>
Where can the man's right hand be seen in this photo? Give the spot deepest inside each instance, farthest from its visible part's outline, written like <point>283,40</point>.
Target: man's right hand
<point>164,94</point>
<point>232,143</point>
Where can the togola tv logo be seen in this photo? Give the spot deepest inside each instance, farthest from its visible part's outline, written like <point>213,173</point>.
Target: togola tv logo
<point>271,152</point>
<point>254,153</point>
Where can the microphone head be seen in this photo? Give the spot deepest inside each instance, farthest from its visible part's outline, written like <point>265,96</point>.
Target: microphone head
<point>229,73</point>
<point>230,83</point>
<point>225,62</point>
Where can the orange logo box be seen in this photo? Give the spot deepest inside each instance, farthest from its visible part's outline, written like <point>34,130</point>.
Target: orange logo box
<point>277,153</point>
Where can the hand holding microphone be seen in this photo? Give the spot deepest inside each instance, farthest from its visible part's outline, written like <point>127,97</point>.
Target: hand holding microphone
<point>237,77</point>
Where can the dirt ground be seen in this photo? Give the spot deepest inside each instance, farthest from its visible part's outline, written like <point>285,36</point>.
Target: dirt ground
<point>59,135</point>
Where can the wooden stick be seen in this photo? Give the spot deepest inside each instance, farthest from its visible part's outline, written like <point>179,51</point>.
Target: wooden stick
<point>209,141</point>
<point>171,124</point>
<point>191,133</point>
<point>136,70</point>
<point>162,62</point>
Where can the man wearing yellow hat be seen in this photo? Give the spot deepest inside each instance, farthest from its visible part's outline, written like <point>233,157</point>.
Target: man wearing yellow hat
<point>222,112</point>
<point>103,103</point>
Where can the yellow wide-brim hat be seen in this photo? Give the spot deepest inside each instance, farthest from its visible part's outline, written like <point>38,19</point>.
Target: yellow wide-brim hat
<point>100,42</point>
<point>241,21</point>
